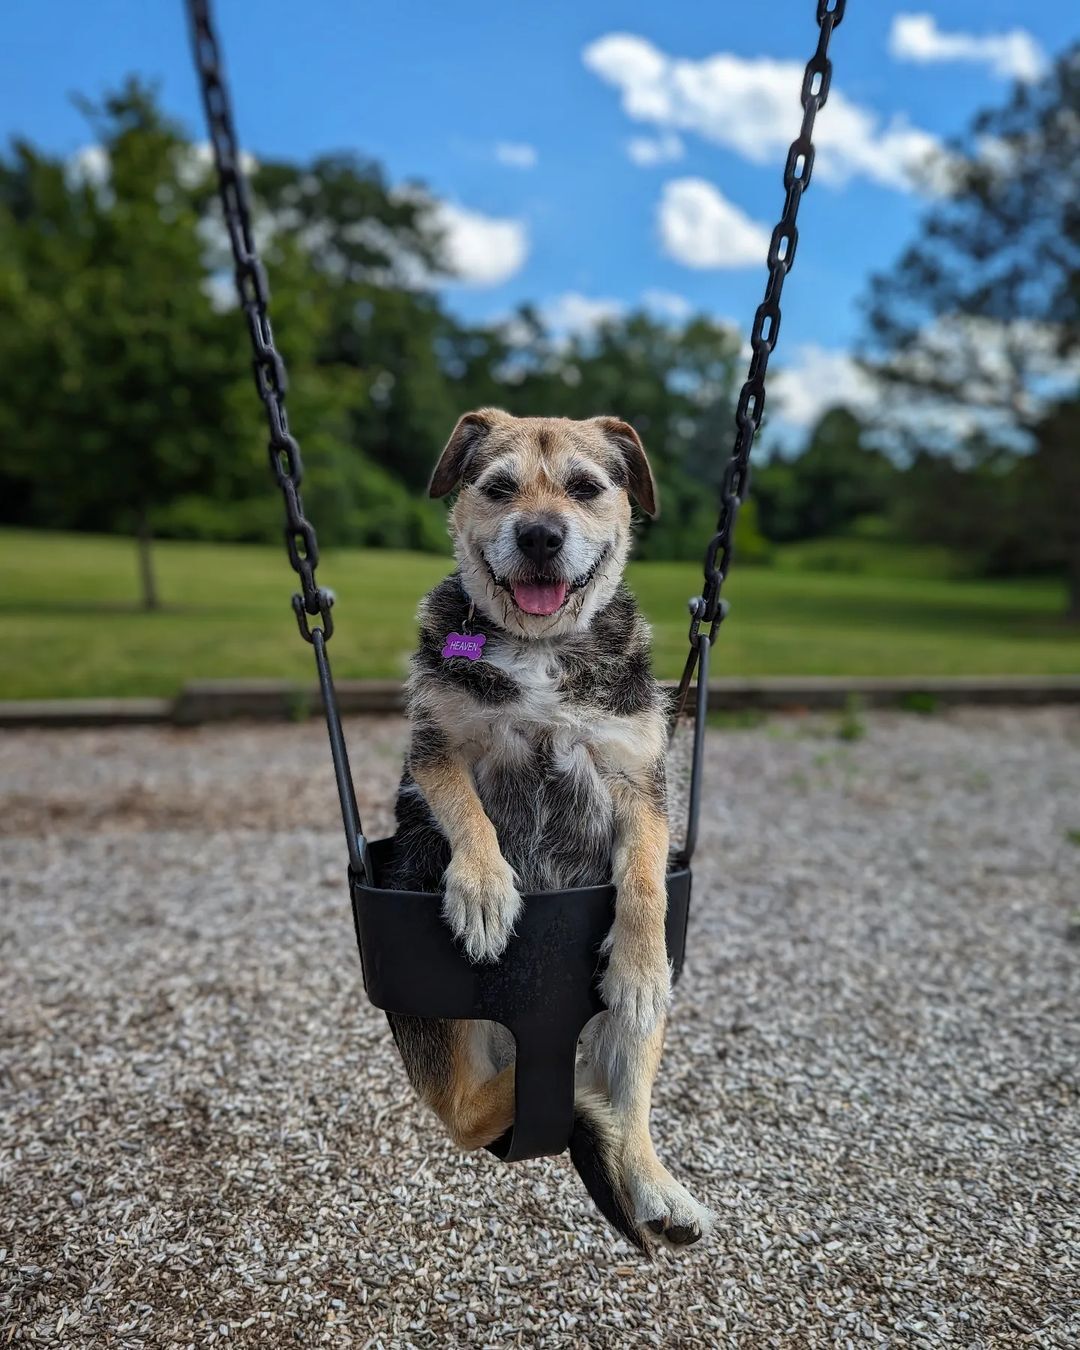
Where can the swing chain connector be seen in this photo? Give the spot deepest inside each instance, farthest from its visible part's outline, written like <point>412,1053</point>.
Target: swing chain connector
<point>326,602</point>
<point>699,614</point>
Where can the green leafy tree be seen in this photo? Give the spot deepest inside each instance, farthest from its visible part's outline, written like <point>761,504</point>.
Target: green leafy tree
<point>836,479</point>
<point>976,331</point>
<point>372,254</point>
<point>116,373</point>
<point>125,398</point>
<point>125,395</point>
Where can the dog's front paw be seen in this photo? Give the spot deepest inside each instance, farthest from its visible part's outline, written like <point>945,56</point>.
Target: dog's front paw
<point>637,983</point>
<point>481,904</point>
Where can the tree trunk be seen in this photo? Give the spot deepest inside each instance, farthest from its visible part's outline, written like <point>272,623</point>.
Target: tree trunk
<point>147,580</point>
<point>1072,584</point>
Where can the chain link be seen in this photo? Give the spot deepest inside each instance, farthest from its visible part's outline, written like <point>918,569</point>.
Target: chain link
<point>710,608</point>
<point>252,288</point>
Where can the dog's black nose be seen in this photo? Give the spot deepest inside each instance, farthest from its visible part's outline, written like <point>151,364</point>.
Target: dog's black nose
<point>540,540</point>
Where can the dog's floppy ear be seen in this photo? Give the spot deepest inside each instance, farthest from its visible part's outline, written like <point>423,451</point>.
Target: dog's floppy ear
<point>640,484</point>
<point>460,448</point>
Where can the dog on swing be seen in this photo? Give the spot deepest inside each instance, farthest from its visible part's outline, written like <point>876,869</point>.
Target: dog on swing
<point>536,762</point>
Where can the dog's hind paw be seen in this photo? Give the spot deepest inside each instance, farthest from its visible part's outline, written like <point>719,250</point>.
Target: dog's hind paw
<point>481,904</point>
<point>664,1211</point>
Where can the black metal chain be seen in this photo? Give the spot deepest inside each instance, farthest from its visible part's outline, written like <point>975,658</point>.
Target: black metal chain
<point>710,608</point>
<point>253,290</point>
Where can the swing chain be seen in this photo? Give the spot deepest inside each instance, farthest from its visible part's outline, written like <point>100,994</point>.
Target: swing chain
<point>710,609</point>
<point>271,379</point>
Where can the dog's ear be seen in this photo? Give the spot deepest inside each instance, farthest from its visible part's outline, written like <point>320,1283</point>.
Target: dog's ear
<point>640,483</point>
<point>460,448</point>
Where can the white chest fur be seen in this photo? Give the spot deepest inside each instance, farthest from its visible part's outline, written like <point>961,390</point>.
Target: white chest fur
<point>508,732</point>
<point>504,732</point>
<point>535,671</point>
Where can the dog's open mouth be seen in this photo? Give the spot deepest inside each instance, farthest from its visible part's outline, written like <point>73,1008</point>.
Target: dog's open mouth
<point>539,596</point>
<point>542,595</point>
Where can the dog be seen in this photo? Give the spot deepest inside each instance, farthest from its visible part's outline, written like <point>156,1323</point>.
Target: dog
<point>540,766</point>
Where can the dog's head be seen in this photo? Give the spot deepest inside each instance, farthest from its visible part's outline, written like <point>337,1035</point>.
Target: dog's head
<point>541,525</point>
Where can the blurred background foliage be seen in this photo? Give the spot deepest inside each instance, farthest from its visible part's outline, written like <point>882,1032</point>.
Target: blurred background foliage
<point>126,403</point>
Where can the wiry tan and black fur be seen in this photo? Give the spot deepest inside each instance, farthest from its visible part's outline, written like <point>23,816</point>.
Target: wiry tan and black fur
<point>541,767</point>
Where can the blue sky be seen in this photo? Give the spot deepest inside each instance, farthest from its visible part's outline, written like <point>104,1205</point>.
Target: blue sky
<point>532,122</point>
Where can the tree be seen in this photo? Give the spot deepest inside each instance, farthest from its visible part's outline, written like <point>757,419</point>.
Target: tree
<point>125,396</point>
<point>822,491</point>
<point>115,371</point>
<point>1050,494</point>
<point>370,255</point>
<point>976,331</point>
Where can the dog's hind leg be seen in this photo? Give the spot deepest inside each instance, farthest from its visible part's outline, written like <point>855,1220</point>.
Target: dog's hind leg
<point>453,1065</point>
<point>623,1067</point>
<point>624,1047</point>
<point>463,1070</point>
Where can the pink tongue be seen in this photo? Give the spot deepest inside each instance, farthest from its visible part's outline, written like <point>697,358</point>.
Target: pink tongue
<point>538,599</point>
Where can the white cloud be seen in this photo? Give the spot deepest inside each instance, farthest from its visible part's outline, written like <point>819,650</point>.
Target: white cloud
<point>815,380</point>
<point>999,154</point>
<point>194,164</point>
<point>752,107</point>
<point>667,305</point>
<point>220,289</point>
<point>516,155</point>
<point>480,250</point>
<point>1012,55</point>
<point>699,227</point>
<point>1005,374</point>
<point>575,314</point>
<point>651,150</point>
<point>89,166</point>
<point>819,378</point>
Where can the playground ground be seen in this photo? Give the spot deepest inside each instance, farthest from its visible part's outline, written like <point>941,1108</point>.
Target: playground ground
<point>871,1072</point>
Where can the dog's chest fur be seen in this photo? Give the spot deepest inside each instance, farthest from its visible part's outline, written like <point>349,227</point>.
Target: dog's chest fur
<point>536,760</point>
<point>544,726</point>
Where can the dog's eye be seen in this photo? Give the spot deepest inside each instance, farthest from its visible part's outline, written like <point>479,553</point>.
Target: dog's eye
<point>583,488</point>
<point>500,488</point>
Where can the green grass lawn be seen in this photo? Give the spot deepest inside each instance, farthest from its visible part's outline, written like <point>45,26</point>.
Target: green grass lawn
<point>71,626</point>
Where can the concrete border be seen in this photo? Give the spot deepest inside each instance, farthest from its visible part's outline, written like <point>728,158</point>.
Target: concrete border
<point>917,693</point>
<point>205,701</point>
<point>85,712</point>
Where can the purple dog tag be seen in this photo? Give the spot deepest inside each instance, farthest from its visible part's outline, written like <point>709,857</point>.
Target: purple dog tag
<point>469,645</point>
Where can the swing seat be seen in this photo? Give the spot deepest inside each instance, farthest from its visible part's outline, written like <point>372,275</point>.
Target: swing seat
<point>544,988</point>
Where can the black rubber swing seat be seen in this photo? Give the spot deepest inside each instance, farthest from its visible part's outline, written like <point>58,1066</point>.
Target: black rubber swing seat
<point>544,988</point>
